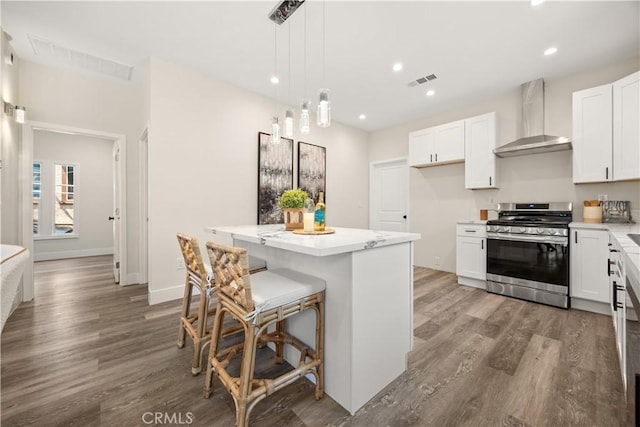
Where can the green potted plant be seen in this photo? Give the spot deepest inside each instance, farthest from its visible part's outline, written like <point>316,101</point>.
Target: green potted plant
<point>292,204</point>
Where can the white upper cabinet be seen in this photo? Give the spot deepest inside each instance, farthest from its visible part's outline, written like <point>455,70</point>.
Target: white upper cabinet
<point>449,142</point>
<point>626,128</point>
<point>479,142</point>
<point>593,135</point>
<point>421,145</point>
<point>606,132</point>
<point>437,145</point>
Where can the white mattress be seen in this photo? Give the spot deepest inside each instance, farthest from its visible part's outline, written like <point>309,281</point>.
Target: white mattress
<point>14,259</point>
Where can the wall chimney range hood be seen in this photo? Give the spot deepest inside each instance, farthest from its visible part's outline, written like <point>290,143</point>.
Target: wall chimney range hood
<point>533,140</point>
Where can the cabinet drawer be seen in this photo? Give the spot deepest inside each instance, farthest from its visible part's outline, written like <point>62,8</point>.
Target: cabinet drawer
<point>471,230</point>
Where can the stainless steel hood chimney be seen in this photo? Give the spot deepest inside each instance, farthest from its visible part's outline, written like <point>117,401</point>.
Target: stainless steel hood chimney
<point>533,139</point>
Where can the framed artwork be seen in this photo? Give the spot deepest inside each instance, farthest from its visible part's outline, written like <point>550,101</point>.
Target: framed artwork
<point>275,175</point>
<point>312,162</point>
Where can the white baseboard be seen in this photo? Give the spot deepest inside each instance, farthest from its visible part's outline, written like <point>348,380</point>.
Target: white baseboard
<point>475,283</point>
<point>593,306</point>
<point>167,294</point>
<point>46,256</point>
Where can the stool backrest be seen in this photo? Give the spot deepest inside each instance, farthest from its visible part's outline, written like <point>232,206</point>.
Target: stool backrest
<point>231,272</point>
<point>193,262</point>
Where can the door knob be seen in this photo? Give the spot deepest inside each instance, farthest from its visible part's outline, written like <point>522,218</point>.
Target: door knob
<point>404,217</point>
<point>111,218</point>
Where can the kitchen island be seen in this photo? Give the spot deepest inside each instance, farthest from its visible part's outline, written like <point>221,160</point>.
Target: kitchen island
<point>369,300</point>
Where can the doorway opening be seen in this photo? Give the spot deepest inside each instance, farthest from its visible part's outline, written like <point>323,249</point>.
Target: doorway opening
<point>61,169</point>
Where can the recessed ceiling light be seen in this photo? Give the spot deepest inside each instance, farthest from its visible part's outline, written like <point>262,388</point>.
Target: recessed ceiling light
<point>431,92</point>
<point>362,117</point>
<point>551,51</point>
<point>536,2</point>
<point>275,80</point>
<point>397,66</point>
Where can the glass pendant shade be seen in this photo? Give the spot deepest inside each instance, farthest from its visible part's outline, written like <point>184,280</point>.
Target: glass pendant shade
<point>288,123</point>
<point>275,130</point>
<point>324,109</point>
<point>304,117</point>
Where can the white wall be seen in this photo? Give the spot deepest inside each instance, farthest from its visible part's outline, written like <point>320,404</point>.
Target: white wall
<point>77,99</point>
<point>93,203</point>
<point>203,161</point>
<point>438,197</point>
<point>9,149</point>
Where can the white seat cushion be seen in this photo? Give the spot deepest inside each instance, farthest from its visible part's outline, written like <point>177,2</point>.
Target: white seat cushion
<point>275,288</point>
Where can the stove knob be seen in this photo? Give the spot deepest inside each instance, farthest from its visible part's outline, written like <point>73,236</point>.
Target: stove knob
<point>540,230</point>
<point>504,229</point>
<point>522,229</point>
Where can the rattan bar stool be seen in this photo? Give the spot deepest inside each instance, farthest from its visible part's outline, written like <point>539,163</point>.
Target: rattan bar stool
<point>257,302</point>
<point>194,322</point>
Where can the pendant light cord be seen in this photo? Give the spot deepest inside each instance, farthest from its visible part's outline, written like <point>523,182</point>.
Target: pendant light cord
<point>324,50</point>
<point>275,67</point>
<point>304,88</point>
<point>289,89</point>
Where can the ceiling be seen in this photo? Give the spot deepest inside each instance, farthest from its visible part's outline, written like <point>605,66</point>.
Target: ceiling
<point>476,49</point>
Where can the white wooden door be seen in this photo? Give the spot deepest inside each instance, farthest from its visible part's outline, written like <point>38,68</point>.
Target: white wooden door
<point>115,218</point>
<point>389,195</point>
<point>479,160</point>
<point>593,135</point>
<point>626,128</point>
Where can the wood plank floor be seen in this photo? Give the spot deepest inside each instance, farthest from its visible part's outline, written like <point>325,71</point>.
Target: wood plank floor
<point>87,352</point>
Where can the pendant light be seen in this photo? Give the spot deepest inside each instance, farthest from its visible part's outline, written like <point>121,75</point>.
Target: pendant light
<point>288,115</point>
<point>275,121</point>
<point>304,109</point>
<point>324,105</point>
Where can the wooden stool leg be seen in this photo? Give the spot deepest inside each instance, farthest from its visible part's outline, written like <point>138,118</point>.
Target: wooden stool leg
<point>213,349</point>
<point>246,376</point>
<point>320,350</point>
<point>186,305</point>
<point>203,309</point>
<point>280,328</point>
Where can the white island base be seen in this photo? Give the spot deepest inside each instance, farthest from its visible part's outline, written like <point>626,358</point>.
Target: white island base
<point>369,301</point>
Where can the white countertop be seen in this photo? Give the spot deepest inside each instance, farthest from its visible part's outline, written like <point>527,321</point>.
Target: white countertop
<point>344,240</point>
<point>472,221</point>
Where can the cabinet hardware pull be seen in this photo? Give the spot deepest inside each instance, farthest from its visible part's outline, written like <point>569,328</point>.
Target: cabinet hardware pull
<point>489,181</point>
<point>609,267</point>
<point>470,231</point>
<point>482,244</point>
<point>576,237</point>
<point>607,172</point>
<point>436,157</point>
<point>431,157</point>
<point>615,297</point>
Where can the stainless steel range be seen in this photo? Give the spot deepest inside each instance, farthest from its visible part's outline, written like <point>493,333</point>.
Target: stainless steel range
<point>528,252</point>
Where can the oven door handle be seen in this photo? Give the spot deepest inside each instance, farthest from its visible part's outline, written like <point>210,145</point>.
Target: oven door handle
<point>532,239</point>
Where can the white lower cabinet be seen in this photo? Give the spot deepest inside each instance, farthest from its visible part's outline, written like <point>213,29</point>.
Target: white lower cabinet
<point>471,254</point>
<point>589,255</point>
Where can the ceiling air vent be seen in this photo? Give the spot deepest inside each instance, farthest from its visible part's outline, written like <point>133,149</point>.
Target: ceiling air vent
<point>422,80</point>
<point>50,51</point>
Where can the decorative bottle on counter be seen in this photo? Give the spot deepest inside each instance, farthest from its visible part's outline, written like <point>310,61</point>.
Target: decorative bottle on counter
<point>319,219</point>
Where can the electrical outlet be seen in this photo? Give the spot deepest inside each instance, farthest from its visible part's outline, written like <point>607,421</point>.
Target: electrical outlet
<point>437,261</point>
<point>180,263</point>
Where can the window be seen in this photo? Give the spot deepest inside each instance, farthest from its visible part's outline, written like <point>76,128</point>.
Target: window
<point>54,196</point>
<point>63,205</point>
<point>36,185</point>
